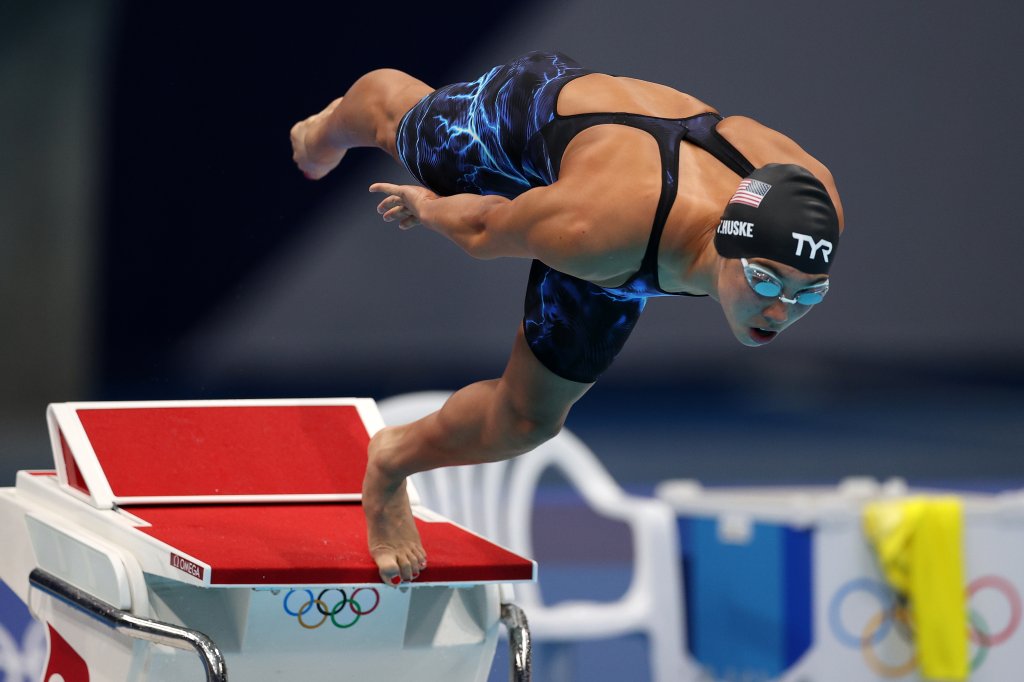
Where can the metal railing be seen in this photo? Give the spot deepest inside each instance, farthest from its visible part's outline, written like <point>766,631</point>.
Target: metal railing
<point>134,626</point>
<point>520,651</point>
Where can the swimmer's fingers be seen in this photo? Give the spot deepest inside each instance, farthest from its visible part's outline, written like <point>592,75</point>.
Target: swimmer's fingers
<point>393,204</point>
<point>397,213</point>
<point>389,204</point>
<point>387,188</point>
<point>403,203</point>
<point>409,195</point>
<point>406,219</point>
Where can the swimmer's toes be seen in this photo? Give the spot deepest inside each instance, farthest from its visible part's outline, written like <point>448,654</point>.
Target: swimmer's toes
<point>409,566</point>
<point>387,565</point>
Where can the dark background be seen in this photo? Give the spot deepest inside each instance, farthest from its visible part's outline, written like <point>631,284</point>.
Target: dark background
<point>157,242</point>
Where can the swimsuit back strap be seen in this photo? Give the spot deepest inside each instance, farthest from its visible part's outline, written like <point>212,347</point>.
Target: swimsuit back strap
<point>702,131</point>
<point>669,135</point>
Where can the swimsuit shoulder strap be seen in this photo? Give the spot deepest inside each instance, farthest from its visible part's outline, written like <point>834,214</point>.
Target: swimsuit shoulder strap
<point>702,131</point>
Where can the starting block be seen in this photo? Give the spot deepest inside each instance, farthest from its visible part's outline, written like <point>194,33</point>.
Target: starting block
<point>233,530</point>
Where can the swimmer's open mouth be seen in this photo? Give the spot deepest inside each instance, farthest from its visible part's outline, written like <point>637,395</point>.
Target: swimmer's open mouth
<point>762,335</point>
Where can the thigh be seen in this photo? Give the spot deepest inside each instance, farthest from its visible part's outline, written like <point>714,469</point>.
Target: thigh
<point>575,328</point>
<point>494,420</point>
<point>533,391</point>
<point>472,137</point>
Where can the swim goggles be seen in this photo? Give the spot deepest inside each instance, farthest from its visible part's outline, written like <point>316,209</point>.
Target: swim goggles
<point>764,283</point>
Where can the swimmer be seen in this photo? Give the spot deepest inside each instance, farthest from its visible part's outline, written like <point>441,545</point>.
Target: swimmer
<point>618,190</point>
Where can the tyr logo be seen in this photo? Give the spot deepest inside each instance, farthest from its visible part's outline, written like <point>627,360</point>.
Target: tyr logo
<point>823,244</point>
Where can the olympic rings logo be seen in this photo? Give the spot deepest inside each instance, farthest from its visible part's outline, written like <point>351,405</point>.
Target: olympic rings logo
<point>328,612</point>
<point>892,614</point>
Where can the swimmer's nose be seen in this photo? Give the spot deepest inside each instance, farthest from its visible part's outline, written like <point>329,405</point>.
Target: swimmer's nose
<point>777,313</point>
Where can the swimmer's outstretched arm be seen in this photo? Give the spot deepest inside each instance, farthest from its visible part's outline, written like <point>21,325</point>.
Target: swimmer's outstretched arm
<point>550,223</point>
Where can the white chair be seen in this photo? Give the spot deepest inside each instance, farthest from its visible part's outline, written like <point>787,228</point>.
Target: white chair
<point>496,500</point>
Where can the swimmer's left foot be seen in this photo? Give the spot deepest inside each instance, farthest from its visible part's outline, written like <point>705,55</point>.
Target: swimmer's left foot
<point>391,530</point>
<point>312,148</point>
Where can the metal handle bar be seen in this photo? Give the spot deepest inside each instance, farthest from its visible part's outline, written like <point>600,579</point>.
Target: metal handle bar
<point>133,626</point>
<point>520,652</point>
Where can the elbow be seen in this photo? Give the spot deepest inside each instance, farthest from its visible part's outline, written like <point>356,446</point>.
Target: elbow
<point>475,238</point>
<point>487,238</point>
<point>481,247</point>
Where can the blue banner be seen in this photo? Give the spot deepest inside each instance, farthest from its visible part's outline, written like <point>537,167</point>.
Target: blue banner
<point>22,640</point>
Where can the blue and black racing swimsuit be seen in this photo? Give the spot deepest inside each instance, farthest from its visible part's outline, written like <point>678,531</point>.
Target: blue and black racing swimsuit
<point>501,134</point>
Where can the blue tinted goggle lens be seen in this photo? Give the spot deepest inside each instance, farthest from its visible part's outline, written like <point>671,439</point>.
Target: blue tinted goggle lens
<point>811,297</point>
<point>769,289</point>
<point>765,284</point>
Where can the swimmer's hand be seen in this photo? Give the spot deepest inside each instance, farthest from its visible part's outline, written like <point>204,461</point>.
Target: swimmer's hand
<point>405,203</point>
<point>472,221</point>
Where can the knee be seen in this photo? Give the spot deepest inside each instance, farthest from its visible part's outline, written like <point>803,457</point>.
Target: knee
<point>387,94</point>
<point>379,82</point>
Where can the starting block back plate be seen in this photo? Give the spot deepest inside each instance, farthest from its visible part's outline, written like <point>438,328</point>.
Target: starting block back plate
<point>212,451</point>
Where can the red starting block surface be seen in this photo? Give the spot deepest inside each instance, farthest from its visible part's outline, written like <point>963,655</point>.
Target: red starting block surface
<point>249,492</point>
<point>299,544</point>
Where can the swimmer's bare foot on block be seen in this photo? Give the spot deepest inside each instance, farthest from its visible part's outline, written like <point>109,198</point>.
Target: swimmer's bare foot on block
<point>313,149</point>
<point>390,529</point>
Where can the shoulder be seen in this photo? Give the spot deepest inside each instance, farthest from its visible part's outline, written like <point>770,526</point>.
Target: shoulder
<point>602,227</point>
<point>612,179</point>
<point>762,145</point>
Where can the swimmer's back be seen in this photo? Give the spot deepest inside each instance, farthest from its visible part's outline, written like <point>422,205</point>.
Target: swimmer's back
<point>600,92</point>
<point>703,179</point>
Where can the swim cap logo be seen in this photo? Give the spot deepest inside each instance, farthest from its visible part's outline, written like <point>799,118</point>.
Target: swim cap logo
<point>750,192</point>
<point>739,228</point>
<point>823,244</point>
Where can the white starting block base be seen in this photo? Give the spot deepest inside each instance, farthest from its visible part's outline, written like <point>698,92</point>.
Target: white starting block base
<point>450,633</point>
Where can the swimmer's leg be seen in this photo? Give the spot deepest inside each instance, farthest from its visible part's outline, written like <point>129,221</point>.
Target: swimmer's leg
<point>366,116</point>
<point>484,422</point>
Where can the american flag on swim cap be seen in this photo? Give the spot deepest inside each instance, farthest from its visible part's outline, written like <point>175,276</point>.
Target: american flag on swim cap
<point>750,192</point>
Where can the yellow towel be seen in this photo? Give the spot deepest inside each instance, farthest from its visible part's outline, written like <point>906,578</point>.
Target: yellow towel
<point>919,542</point>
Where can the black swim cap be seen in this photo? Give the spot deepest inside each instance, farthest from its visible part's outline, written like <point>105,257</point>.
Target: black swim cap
<point>783,213</point>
